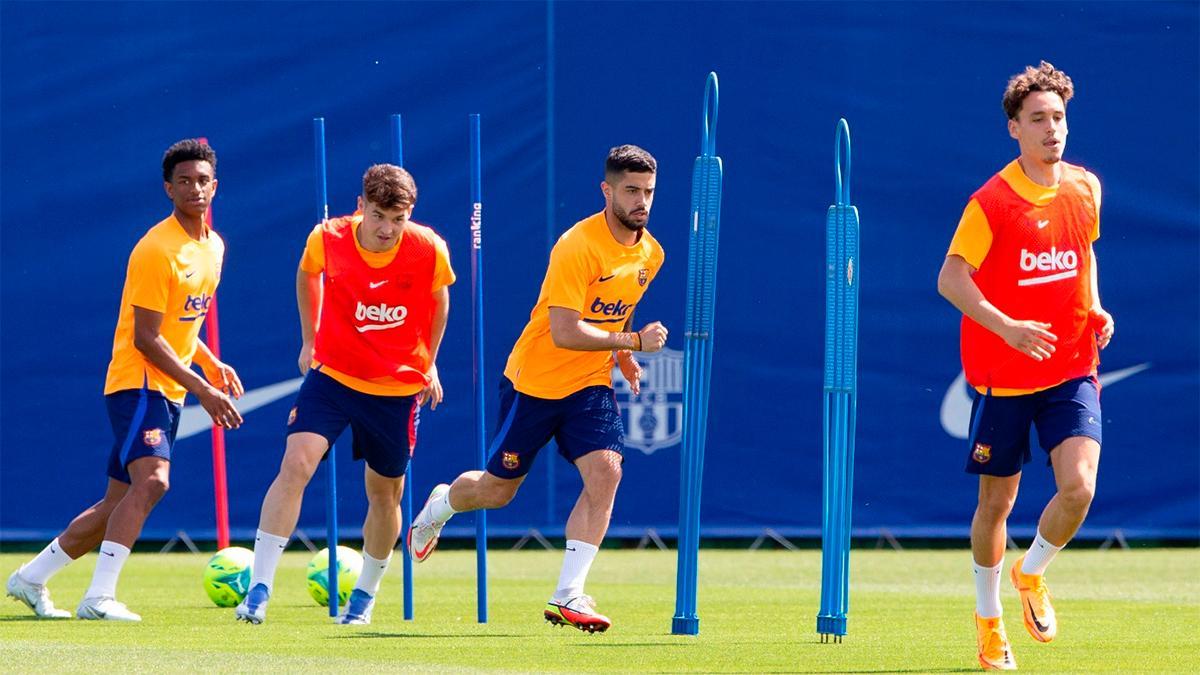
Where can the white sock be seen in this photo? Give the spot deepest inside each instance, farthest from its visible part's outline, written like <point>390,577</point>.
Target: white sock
<point>372,573</point>
<point>987,590</point>
<point>1041,552</point>
<point>267,550</point>
<point>576,563</point>
<point>108,568</point>
<point>440,509</point>
<point>46,564</point>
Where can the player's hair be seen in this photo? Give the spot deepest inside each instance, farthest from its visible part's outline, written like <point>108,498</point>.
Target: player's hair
<point>625,158</point>
<point>185,151</point>
<point>388,186</point>
<point>1043,78</point>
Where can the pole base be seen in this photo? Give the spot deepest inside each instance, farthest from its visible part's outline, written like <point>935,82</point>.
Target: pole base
<point>831,628</point>
<point>685,625</point>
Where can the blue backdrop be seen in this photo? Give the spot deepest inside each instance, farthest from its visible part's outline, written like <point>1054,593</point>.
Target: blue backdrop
<point>92,93</point>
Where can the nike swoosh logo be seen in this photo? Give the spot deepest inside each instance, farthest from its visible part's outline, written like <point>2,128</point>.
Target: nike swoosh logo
<point>1041,628</point>
<point>189,274</point>
<point>194,420</point>
<point>603,279</point>
<point>377,284</point>
<point>111,555</point>
<point>1042,224</point>
<point>956,404</point>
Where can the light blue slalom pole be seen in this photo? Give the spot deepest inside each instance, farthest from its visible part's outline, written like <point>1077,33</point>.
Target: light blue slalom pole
<point>842,275</point>
<point>477,361</point>
<point>331,508</point>
<point>707,176</point>
<point>406,513</point>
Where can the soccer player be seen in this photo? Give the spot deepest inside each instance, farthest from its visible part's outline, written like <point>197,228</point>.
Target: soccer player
<point>558,381</point>
<point>1022,270</point>
<point>373,295</point>
<point>172,275</point>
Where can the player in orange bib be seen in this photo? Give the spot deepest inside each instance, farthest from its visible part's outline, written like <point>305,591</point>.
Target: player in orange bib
<point>1022,270</point>
<point>373,291</point>
<point>558,381</point>
<point>169,285</point>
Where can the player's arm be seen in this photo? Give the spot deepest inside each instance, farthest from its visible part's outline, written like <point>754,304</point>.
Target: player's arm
<point>309,294</point>
<point>441,311</point>
<point>147,340</point>
<point>570,331</point>
<point>1031,338</point>
<point>1102,321</point>
<point>630,368</point>
<point>220,375</point>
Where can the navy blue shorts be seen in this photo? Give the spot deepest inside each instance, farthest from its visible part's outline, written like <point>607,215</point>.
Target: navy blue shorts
<point>1000,425</point>
<point>144,424</point>
<point>384,427</point>
<point>583,422</point>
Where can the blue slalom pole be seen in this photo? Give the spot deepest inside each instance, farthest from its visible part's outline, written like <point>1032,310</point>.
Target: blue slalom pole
<point>477,361</point>
<point>407,500</point>
<point>331,514</point>
<point>707,177</point>
<point>840,401</point>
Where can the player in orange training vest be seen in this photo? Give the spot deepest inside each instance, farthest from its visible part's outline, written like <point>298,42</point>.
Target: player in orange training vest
<point>1022,270</point>
<point>558,380</point>
<point>373,291</point>
<point>170,282</point>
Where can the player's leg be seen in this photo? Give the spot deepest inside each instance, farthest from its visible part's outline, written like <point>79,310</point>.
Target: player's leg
<point>591,438</point>
<point>149,481</point>
<point>1069,428</point>
<point>381,530</point>
<point>524,425</point>
<point>997,449</point>
<point>84,533</point>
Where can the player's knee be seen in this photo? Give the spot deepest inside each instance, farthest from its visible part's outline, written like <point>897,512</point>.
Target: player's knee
<point>1078,496</point>
<point>604,478</point>
<point>153,487</point>
<point>296,469</point>
<point>996,505</point>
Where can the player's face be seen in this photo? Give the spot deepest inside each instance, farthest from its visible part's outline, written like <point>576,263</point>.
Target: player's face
<point>192,187</point>
<point>1041,127</point>
<point>381,228</point>
<point>630,198</point>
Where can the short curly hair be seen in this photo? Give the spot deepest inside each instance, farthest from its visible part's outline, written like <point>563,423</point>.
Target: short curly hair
<point>185,151</point>
<point>389,186</point>
<point>1043,78</point>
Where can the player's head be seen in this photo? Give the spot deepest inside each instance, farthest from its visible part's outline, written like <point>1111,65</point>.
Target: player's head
<point>388,196</point>
<point>1036,104</point>
<point>190,176</point>
<point>628,185</point>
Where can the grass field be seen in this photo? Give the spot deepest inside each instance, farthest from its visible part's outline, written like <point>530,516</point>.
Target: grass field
<point>910,612</point>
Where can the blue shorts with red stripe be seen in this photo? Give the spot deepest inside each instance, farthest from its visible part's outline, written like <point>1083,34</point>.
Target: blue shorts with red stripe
<point>582,422</point>
<point>1000,425</point>
<point>384,427</point>
<point>144,424</point>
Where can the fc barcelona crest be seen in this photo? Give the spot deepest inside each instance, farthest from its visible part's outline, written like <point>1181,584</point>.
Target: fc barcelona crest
<point>643,276</point>
<point>653,419</point>
<point>982,453</point>
<point>291,416</point>
<point>510,460</point>
<point>152,437</point>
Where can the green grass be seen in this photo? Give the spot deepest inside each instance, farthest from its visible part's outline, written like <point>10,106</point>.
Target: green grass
<point>910,612</point>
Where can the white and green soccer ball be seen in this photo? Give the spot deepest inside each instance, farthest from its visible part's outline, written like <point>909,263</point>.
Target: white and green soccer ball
<point>349,564</point>
<point>227,576</point>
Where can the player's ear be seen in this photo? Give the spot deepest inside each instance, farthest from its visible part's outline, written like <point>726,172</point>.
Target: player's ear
<point>1012,129</point>
<point>606,189</point>
<point>167,188</point>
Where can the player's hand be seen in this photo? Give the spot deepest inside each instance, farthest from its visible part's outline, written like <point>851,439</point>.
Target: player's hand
<point>654,336</point>
<point>305,360</point>
<point>433,391</point>
<point>220,407</point>
<point>1031,338</point>
<point>631,369</point>
<point>1103,324</point>
<point>224,377</point>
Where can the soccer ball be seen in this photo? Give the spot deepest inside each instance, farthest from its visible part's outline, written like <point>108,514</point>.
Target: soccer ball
<point>349,566</point>
<point>227,576</point>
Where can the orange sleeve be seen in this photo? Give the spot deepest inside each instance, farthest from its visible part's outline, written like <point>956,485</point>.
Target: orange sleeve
<point>568,275</point>
<point>1094,183</point>
<point>973,238</point>
<point>149,277</point>
<point>443,273</point>
<point>313,260</point>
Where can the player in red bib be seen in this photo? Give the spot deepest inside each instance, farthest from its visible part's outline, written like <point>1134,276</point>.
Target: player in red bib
<point>1022,270</point>
<point>373,295</point>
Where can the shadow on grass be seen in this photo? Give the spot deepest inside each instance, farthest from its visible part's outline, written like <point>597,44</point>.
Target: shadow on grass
<point>30,617</point>
<point>375,635</point>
